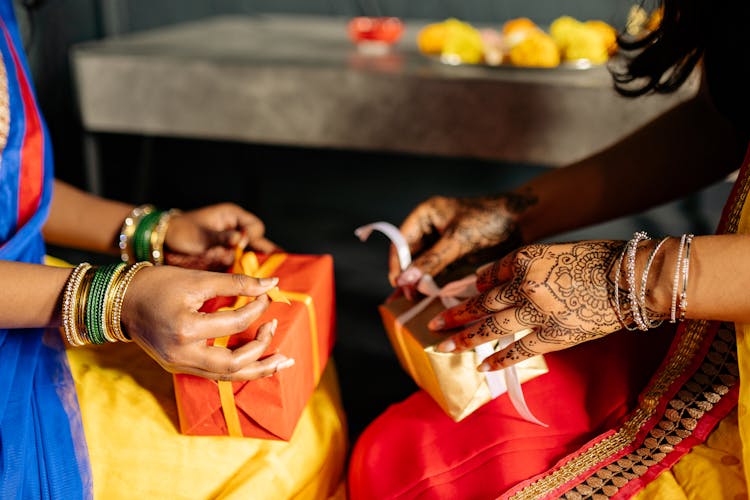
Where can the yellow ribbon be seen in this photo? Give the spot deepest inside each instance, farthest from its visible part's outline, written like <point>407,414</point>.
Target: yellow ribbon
<point>247,263</point>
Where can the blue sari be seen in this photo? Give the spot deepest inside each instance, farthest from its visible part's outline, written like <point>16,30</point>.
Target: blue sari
<point>42,447</point>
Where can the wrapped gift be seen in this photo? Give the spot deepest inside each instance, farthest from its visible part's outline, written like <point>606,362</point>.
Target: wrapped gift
<point>268,407</point>
<point>452,379</point>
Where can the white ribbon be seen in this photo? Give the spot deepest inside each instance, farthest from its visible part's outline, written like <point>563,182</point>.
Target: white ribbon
<point>450,295</point>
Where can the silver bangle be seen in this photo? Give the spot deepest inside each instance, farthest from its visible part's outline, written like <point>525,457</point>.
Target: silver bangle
<point>634,307</point>
<point>676,280</point>
<point>644,283</point>
<point>685,270</point>
<point>618,271</point>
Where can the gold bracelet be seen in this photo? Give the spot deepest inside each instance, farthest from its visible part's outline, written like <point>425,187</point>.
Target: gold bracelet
<point>117,298</point>
<point>82,293</point>
<point>125,240</point>
<point>107,330</point>
<point>159,235</point>
<point>69,304</point>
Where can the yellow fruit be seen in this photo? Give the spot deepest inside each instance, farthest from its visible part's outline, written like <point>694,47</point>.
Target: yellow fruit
<point>536,50</point>
<point>607,33</point>
<point>431,38</point>
<point>463,43</point>
<point>562,29</point>
<point>585,43</point>
<point>516,30</point>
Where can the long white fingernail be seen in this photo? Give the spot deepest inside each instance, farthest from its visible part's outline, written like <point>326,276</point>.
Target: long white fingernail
<point>409,277</point>
<point>274,324</point>
<point>285,364</point>
<point>484,367</point>
<point>447,346</point>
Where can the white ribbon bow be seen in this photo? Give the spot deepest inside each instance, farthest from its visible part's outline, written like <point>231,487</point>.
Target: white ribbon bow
<point>450,295</point>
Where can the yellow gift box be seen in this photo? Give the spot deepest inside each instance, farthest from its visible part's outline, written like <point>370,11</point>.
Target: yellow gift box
<point>451,379</point>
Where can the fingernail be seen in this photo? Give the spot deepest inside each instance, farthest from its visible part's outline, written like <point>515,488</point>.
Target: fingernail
<point>274,324</point>
<point>409,277</point>
<point>447,346</point>
<point>285,364</point>
<point>268,281</point>
<point>484,367</point>
<point>436,323</point>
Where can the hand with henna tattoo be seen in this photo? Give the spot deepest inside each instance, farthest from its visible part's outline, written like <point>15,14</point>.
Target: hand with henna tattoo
<point>563,293</point>
<point>462,227</point>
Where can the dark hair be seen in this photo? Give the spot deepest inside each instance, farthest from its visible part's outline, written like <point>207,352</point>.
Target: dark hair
<point>691,31</point>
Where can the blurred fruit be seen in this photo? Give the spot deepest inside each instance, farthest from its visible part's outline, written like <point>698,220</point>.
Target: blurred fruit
<point>375,29</point>
<point>537,49</point>
<point>431,38</point>
<point>607,33</point>
<point>463,43</point>
<point>516,30</point>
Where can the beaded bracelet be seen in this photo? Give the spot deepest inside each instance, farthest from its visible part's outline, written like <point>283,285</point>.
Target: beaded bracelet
<point>631,251</point>
<point>69,303</point>
<point>676,280</point>
<point>143,234</point>
<point>127,231</point>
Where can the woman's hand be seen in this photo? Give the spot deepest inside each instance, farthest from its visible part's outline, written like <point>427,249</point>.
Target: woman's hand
<point>206,238</point>
<point>462,227</point>
<point>563,293</point>
<point>161,314</point>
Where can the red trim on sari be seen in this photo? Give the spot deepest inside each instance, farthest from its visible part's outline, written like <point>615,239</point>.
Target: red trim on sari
<point>31,175</point>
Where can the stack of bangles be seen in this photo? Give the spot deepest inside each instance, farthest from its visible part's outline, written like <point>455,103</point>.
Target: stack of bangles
<point>93,295</point>
<point>143,233</point>
<point>637,297</point>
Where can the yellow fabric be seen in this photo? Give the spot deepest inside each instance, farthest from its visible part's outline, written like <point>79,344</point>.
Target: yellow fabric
<point>130,421</point>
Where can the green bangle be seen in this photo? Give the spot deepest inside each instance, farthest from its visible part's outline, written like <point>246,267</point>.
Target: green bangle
<point>142,237</point>
<point>96,299</point>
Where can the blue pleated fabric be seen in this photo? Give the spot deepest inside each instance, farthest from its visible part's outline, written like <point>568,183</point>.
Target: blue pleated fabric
<point>42,446</point>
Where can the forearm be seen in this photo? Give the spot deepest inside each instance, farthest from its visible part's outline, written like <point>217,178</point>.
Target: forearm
<point>80,220</point>
<point>684,150</point>
<point>30,294</point>
<point>716,287</point>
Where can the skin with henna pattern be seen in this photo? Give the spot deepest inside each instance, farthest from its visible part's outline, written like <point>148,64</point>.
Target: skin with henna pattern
<point>561,292</point>
<point>464,227</point>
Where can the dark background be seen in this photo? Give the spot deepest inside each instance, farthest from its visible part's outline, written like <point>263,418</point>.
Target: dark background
<point>311,199</point>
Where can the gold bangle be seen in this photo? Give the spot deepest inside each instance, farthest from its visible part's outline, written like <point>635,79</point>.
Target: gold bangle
<point>82,294</point>
<point>159,235</point>
<point>107,331</point>
<point>118,298</point>
<point>125,240</point>
<point>69,304</point>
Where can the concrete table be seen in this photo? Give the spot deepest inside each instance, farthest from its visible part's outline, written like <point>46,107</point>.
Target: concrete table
<point>299,81</point>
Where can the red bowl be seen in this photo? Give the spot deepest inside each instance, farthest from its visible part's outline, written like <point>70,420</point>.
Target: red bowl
<point>375,29</point>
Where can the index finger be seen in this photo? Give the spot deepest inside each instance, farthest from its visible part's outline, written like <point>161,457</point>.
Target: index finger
<point>491,275</point>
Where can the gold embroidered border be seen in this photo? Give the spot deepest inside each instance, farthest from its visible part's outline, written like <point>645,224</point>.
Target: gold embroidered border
<point>4,105</point>
<point>625,436</point>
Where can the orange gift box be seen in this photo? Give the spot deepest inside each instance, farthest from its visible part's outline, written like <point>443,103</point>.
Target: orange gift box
<point>268,407</point>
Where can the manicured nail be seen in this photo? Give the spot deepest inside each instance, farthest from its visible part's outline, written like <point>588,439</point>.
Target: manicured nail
<point>447,346</point>
<point>285,364</point>
<point>274,324</point>
<point>268,281</point>
<point>409,277</point>
<point>436,323</point>
<point>484,367</point>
